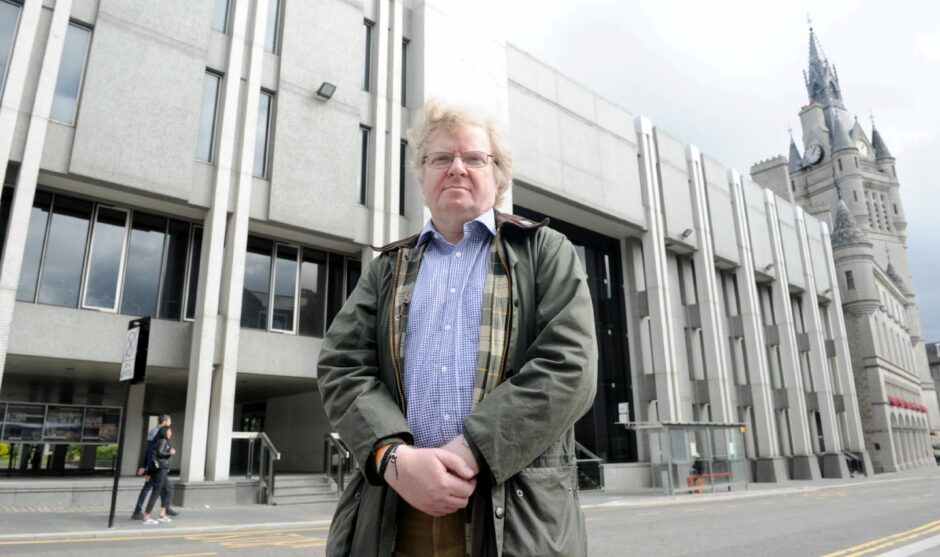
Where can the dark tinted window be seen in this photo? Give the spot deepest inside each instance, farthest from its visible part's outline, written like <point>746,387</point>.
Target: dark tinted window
<point>285,286</point>
<point>257,284</point>
<point>194,258</point>
<point>65,252</point>
<point>174,272</point>
<point>6,199</point>
<point>144,263</point>
<point>104,267</point>
<point>336,288</point>
<point>313,292</point>
<point>71,70</point>
<point>35,236</point>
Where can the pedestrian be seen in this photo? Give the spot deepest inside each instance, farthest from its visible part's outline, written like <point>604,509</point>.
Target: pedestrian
<point>162,420</point>
<point>457,369</point>
<point>159,470</point>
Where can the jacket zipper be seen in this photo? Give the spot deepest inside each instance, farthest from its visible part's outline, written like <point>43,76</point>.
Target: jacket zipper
<point>393,349</point>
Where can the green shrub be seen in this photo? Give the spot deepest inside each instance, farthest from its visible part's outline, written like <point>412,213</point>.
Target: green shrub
<point>106,452</point>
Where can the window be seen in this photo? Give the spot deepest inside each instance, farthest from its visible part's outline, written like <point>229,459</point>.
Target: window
<point>61,273</point>
<point>367,70</point>
<point>105,258</point>
<point>257,284</point>
<point>71,70</point>
<point>285,288</point>
<point>304,287</point>
<point>793,185</point>
<point>205,140</point>
<point>6,200</point>
<point>855,195</point>
<point>849,281</point>
<point>840,165</point>
<point>220,10</point>
<point>895,205</point>
<point>271,35</point>
<point>363,163</point>
<point>404,72</point>
<point>402,175</point>
<point>262,133</point>
<point>35,238</point>
<point>9,20</point>
<point>144,262</point>
<point>174,270</point>
<point>195,253</point>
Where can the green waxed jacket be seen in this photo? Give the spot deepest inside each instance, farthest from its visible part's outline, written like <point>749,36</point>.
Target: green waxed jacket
<point>522,431</point>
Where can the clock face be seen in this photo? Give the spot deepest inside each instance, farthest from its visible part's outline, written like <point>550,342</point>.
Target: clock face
<point>813,154</point>
<point>862,147</point>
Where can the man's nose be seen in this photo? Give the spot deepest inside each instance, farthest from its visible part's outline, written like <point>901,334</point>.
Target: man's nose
<point>457,168</point>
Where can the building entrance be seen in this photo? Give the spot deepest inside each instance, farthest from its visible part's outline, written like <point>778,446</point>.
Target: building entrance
<point>600,256</point>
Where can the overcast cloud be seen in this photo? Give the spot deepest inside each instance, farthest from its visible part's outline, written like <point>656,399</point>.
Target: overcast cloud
<point>726,75</point>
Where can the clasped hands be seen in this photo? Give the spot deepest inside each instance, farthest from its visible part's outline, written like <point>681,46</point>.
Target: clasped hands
<point>434,481</point>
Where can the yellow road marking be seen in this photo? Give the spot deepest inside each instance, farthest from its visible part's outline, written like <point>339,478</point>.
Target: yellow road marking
<point>193,554</point>
<point>886,541</point>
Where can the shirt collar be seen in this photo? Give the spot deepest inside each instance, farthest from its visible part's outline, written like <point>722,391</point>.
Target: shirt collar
<point>487,219</point>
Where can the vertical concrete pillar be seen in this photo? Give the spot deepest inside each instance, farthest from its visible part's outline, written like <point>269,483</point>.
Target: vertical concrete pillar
<point>834,464</point>
<point>25,190</point>
<point>222,390</point>
<point>380,139</point>
<point>658,293</point>
<point>709,301</point>
<point>805,463</point>
<point>394,100</point>
<point>205,327</point>
<point>771,467</point>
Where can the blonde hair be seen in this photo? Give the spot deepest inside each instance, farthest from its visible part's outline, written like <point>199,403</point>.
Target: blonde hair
<point>438,116</point>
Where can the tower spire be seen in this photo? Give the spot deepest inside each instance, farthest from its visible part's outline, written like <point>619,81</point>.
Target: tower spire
<point>822,82</point>
<point>881,150</point>
<point>795,163</point>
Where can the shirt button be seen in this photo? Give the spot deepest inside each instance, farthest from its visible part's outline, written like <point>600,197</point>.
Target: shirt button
<point>446,417</point>
<point>443,368</point>
<point>458,254</point>
<point>453,290</point>
<point>446,327</point>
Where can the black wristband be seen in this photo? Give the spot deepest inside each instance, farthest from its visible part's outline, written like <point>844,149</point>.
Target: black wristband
<point>386,457</point>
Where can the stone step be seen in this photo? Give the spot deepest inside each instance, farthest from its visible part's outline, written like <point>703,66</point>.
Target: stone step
<point>304,499</point>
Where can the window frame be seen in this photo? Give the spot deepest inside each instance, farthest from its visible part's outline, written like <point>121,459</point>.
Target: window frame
<point>268,129</point>
<point>369,28</point>
<point>226,22</point>
<point>81,79</point>
<point>404,71</point>
<point>119,286</point>
<point>276,39</point>
<point>365,147</point>
<point>189,264</point>
<point>273,281</point>
<point>215,117</point>
<point>16,31</point>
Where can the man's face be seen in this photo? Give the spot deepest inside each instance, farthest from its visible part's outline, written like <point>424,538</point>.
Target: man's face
<point>459,192</point>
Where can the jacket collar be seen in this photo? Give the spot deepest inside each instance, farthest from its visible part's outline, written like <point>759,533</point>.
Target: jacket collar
<point>502,219</point>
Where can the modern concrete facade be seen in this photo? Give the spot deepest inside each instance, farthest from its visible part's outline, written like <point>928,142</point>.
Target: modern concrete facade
<point>849,180</point>
<point>205,182</point>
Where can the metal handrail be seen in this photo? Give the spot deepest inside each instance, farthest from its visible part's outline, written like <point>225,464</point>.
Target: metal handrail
<point>333,445</point>
<point>266,465</point>
<point>579,448</point>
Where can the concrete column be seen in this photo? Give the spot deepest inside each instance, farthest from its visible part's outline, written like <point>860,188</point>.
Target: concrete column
<point>222,390</point>
<point>854,440</point>
<point>658,293</point>
<point>805,463</point>
<point>394,100</point>
<point>135,430</point>
<point>834,464</point>
<point>771,467</point>
<point>205,327</point>
<point>709,302</point>
<point>25,190</point>
<point>380,104</point>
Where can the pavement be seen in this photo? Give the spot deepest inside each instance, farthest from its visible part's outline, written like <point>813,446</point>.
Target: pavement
<point>19,524</point>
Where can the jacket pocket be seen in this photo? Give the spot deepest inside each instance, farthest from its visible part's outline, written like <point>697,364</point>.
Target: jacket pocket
<point>543,516</point>
<point>343,525</point>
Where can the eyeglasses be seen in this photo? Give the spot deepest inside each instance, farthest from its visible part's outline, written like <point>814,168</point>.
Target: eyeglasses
<point>470,159</point>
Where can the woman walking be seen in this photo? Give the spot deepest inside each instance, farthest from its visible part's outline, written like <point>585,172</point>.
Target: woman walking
<point>159,469</point>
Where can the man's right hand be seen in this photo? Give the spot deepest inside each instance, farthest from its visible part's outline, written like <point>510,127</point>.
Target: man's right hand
<point>434,481</point>
<point>140,471</point>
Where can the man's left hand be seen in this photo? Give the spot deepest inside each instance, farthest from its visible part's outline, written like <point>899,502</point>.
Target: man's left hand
<point>460,448</point>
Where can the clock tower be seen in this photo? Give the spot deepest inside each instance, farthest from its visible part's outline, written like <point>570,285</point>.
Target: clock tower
<point>849,179</point>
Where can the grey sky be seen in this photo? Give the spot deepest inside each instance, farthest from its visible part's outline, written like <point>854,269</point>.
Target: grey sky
<point>726,75</point>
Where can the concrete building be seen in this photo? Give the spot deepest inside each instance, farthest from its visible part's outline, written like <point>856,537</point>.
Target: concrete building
<point>225,168</point>
<point>849,180</point>
<point>933,360</point>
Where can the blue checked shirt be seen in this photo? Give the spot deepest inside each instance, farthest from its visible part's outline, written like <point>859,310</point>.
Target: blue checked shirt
<point>442,339</point>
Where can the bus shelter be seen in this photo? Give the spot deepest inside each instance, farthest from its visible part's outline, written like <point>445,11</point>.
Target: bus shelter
<point>695,457</point>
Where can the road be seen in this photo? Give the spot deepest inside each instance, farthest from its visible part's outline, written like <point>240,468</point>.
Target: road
<point>891,518</point>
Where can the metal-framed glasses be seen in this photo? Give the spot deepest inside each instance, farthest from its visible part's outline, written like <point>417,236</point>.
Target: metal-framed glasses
<point>470,159</point>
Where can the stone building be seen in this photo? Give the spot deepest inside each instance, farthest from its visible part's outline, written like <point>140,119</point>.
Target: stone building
<point>849,179</point>
<point>225,170</point>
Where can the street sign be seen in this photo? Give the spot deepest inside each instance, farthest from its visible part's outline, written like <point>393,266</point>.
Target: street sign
<point>133,370</point>
<point>134,361</point>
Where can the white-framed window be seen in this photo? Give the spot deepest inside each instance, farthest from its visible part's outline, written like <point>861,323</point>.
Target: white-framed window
<point>272,29</point>
<point>220,15</point>
<point>71,73</point>
<point>263,134</point>
<point>208,116</point>
<point>103,274</point>
<point>364,133</point>
<point>9,22</point>
<point>367,27</point>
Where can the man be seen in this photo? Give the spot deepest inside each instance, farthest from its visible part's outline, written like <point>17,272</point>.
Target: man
<point>458,367</point>
<point>162,420</point>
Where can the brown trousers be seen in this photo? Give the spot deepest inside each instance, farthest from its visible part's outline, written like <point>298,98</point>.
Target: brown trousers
<point>423,535</point>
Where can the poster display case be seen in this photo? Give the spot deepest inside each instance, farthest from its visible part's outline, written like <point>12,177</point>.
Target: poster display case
<point>59,423</point>
<point>24,422</point>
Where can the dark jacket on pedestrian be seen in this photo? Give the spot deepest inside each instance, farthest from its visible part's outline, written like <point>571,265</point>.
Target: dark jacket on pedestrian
<point>520,427</point>
<point>161,454</point>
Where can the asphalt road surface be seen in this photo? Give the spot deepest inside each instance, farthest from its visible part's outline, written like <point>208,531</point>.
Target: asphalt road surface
<point>890,518</point>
